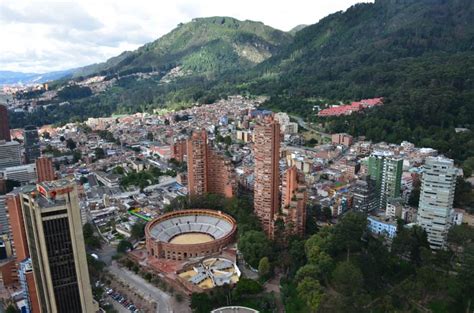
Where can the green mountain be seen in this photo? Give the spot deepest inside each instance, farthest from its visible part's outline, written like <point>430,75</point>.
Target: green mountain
<point>297,28</point>
<point>202,46</point>
<point>418,54</point>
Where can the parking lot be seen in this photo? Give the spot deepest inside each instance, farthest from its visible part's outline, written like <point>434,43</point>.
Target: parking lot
<point>122,300</point>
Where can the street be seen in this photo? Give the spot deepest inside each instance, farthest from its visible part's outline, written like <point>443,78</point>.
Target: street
<point>144,288</point>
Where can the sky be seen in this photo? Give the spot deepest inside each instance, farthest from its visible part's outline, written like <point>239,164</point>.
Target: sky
<point>48,35</point>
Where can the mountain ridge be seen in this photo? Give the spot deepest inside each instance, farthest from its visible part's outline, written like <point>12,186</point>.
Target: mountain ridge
<point>243,43</point>
<point>416,54</point>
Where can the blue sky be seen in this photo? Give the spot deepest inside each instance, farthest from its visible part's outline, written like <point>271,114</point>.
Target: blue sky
<point>48,35</point>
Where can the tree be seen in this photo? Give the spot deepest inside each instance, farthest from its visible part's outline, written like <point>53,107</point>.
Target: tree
<point>138,230</point>
<point>90,239</point>
<point>246,286</point>
<point>254,245</point>
<point>264,267</point>
<point>309,290</point>
<point>118,170</point>
<point>348,232</point>
<point>347,278</point>
<point>200,303</point>
<point>77,155</point>
<point>11,309</point>
<point>124,246</point>
<point>409,243</point>
<point>309,270</point>
<point>70,144</point>
<point>414,198</point>
<point>461,234</point>
<point>99,153</point>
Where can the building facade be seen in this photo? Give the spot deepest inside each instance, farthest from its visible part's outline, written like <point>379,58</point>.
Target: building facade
<point>31,144</point>
<point>54,233</point>
<point>267,173</point>
<point>4,125</point>
<point>294,198</point>
<point>44,169</point>
<point>386,171</point>
<point>382,226</point>
<point>10,154</point>
<point>179,150</point>
<point>365,197</point>
<point>342,139</point>
<point>391,180</point>
<point>23,174</point>
<point>208,170</point>
<point>438,184</point>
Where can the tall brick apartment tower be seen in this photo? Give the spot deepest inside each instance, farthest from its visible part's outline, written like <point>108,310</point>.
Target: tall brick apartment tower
<point>197,163</point>
<point>208,170</point>
<point>44,169</point>
<point>267,172</point>
<point>294,198</point>
<point>4,126</point>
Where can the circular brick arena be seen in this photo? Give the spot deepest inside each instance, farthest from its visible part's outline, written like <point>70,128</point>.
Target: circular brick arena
<point>185,234</point>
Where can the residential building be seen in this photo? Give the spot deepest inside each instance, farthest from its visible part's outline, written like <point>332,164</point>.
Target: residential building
<point>391,180</point>
<point>386,170</point>
<point>4,226</point>
<point>438,184</point>
<point>365,196</point>
<point>267,172</point>
<point>294,198</point>
<point>208,170</point>
<point>342,139</point>
<point>381,225</point>
<point>44,169</point>
<point>31,144</point>
<point>54,233</point>
<point>4,125</point>
<point>179,150</point>
<point>10,154</point>
<point>27,283</point>
<point>394,208</point>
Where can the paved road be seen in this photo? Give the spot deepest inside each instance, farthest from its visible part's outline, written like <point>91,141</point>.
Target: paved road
<point>143,287</point>
<point>303,124</point>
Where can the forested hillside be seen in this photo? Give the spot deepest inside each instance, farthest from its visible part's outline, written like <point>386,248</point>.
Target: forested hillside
<point>417,54</point>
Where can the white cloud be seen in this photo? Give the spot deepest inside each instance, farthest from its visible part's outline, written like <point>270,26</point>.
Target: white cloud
<point>48,35</point>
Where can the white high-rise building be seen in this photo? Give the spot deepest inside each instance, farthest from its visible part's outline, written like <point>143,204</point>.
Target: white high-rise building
<point>438,184</point>
<point>23,174</point>
<point>10,153</point>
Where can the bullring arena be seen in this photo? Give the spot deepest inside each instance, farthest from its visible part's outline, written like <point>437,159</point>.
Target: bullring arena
<point>181,235</point>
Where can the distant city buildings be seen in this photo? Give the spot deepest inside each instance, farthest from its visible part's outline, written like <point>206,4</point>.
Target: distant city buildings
<point>351,108</point>
<point>342,139</point>
<point>267,173</point>
<point>438,184</point>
